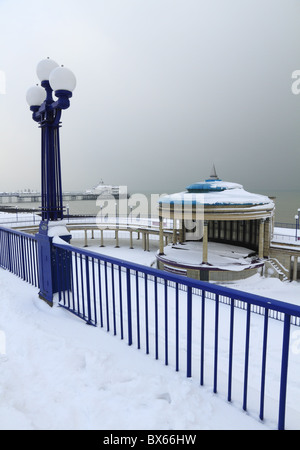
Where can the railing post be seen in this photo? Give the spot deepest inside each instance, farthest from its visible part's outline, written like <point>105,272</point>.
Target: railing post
<point>247,344</point>
<point>284,371</point>
<point>166,324</point>
<point>216,343</point>
<point>23,271</point>
<point>88,294</point>
<point>129,319</point>
<point>230,349</point>
<point>263,370</point>
<point>189,333</point>
<point>202,339</point>
<point>9,251</point>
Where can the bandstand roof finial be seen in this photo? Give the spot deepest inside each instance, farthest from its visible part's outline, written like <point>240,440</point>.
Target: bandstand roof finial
<point>213,174</point>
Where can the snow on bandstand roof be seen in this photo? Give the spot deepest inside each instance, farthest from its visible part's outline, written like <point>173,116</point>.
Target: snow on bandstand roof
<point>214,191</point>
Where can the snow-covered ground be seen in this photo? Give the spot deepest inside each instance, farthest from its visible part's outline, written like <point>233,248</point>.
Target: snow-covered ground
<point>58,373</point>
<point>227,256</point>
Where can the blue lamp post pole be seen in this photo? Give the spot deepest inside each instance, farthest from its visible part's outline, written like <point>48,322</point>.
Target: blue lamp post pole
<point>47,113</point>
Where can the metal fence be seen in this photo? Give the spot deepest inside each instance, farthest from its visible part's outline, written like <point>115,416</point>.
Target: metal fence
<point>210,332</point>
<point>225,346</point>
<point>18,254</point>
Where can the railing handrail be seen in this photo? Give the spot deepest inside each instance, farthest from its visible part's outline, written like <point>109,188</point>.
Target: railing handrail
<point>265,302</point>
<point>17,232</point>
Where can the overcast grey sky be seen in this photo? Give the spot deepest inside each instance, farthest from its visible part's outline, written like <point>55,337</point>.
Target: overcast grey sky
<point>165,88</point>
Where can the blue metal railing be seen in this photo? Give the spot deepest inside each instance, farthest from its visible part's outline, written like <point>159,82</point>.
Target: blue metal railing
<point>192,332</point>
<point>18,254</point>
<point>206,330</point>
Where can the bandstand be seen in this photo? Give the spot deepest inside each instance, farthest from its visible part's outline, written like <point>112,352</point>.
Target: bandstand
<point>220,231</point>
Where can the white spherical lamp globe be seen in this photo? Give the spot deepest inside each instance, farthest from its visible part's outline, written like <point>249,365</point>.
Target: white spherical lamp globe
<point>35,96</point>
<point>62,79</point>
<point>44,68</point>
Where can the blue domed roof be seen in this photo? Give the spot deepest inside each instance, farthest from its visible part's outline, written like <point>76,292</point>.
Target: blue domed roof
<point>210,185</point>
<point>204,187</point>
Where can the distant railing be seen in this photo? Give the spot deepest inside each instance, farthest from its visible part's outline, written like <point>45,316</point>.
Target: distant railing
<point>286,239</point>
<point>284,225</point>
<point>20,220</point>
<point>194,333</point>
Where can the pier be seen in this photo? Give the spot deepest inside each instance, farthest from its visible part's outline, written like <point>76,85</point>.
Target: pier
<point>35,197</point>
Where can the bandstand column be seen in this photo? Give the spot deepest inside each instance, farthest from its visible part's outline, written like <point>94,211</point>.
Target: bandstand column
<point>161,236</point>
<point>261,239</point>
<point>117,238</point>
<point>181,238</point>
<point>205,242</point>
<point>174,232</point>
<point>131,242</point>
<point>295,268</point>
<point>102,243</point>
<point>266,237</point>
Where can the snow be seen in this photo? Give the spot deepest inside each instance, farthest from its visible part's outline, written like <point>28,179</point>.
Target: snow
<point>222,256</point>
<point>232,196</point>
<point>56,229</point>
<point>59,373</point>
<point>56,372</point>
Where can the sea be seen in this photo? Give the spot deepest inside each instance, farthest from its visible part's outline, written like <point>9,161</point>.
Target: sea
<point>287,204</point>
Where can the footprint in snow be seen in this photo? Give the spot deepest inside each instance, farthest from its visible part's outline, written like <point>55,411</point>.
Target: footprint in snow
<point>165,396</point>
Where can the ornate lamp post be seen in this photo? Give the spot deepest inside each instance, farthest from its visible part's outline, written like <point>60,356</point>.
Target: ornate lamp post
<point>47,112</point>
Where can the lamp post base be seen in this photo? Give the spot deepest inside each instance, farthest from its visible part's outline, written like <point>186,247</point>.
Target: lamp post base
<point>49,303</point>
<point>51,276</point>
